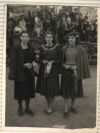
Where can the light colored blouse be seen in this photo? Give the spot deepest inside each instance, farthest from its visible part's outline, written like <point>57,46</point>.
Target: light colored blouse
<point>70,56</point>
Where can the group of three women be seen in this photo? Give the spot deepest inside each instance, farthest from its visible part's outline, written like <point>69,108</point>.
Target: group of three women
<point>59,71</point>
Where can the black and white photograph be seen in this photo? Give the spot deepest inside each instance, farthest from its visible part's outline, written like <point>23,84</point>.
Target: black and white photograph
<point>51,66</point>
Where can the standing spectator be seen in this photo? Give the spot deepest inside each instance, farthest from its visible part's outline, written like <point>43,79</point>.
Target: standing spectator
<point>10,29</point>
<point>37,24</point>
<point>29,22</point>
<point>18,29</point>
<point>21,24</point>
<point>64,27</point>
<point>37,37</point>
<point>93,32</point>
<point>85,27</point>
<point>61,26</point>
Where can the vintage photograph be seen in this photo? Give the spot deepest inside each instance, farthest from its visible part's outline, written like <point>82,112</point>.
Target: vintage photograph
<point>51,66</point>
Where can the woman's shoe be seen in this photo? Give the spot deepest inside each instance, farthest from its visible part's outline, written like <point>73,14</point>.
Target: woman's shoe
<point>73,110</point>
<point>20,112</point>
<point>29,112</point>
<point>66,114</point>
<point>49,111</point>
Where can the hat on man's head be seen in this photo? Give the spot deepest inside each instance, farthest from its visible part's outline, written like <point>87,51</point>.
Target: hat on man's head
<point>49,32</point>
<point>73,33</point>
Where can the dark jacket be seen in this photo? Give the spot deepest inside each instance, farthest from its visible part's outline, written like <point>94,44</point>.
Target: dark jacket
<point>16,71</point>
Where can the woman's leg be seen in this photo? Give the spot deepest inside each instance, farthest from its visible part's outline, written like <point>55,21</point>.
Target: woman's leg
<point>27,107</point>
<point>49,104</point>
<point>74,95</point>
<point>73,105</point>
<point>66,107</point>
<point>20,107</point>
<point>80,88</point>
<point>65,81</point>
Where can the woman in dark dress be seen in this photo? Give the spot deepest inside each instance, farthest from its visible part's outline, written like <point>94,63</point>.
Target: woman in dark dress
<point>48,81</point>
<point>21,71</point>
<point>74,67</point>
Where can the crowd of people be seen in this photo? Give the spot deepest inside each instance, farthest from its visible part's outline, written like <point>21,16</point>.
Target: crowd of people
<point>44,18</point>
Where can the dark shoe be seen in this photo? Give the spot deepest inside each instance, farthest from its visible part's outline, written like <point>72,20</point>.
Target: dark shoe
<point>73,110</point>
<point>48,112</point>
<point>20,112</point>
<point>29,112</point>
<point>66,114</point>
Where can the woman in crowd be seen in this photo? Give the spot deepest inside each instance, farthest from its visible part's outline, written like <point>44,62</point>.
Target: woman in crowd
<point>48,81</point>
<point>21,71</point>
<point>37,37</point>
<point>21,24</point>
<point>11,24</point>
<point>64,26</point>
<point>74,67</point>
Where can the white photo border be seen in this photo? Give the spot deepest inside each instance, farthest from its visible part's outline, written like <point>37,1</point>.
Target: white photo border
<point>3,24</point>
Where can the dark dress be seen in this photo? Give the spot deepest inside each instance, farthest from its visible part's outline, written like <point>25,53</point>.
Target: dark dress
<point>23,77</point>
<point>68,78</point>
<point>48,84</point>
<point>67,83</point>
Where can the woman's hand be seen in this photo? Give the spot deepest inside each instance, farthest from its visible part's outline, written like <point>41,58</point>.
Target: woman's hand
<point>45,61</point>
<point>75,73</point>
<point>49,66</point>
<point>28,65</point>
<point>36,67</point>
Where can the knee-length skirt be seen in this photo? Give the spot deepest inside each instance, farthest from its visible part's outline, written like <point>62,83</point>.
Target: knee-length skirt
<point>48,86</point>
<point>68,83</point>
<point>25,89</point>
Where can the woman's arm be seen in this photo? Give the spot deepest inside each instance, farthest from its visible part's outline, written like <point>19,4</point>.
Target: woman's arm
<point>12,66</point>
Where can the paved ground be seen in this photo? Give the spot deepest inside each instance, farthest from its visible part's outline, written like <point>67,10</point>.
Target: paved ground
<point>86,117</point>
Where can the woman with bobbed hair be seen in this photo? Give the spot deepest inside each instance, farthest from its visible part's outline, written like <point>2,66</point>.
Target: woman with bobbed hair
<point>21,71</point>
<point>48,81</point>
<point>75,67</point>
